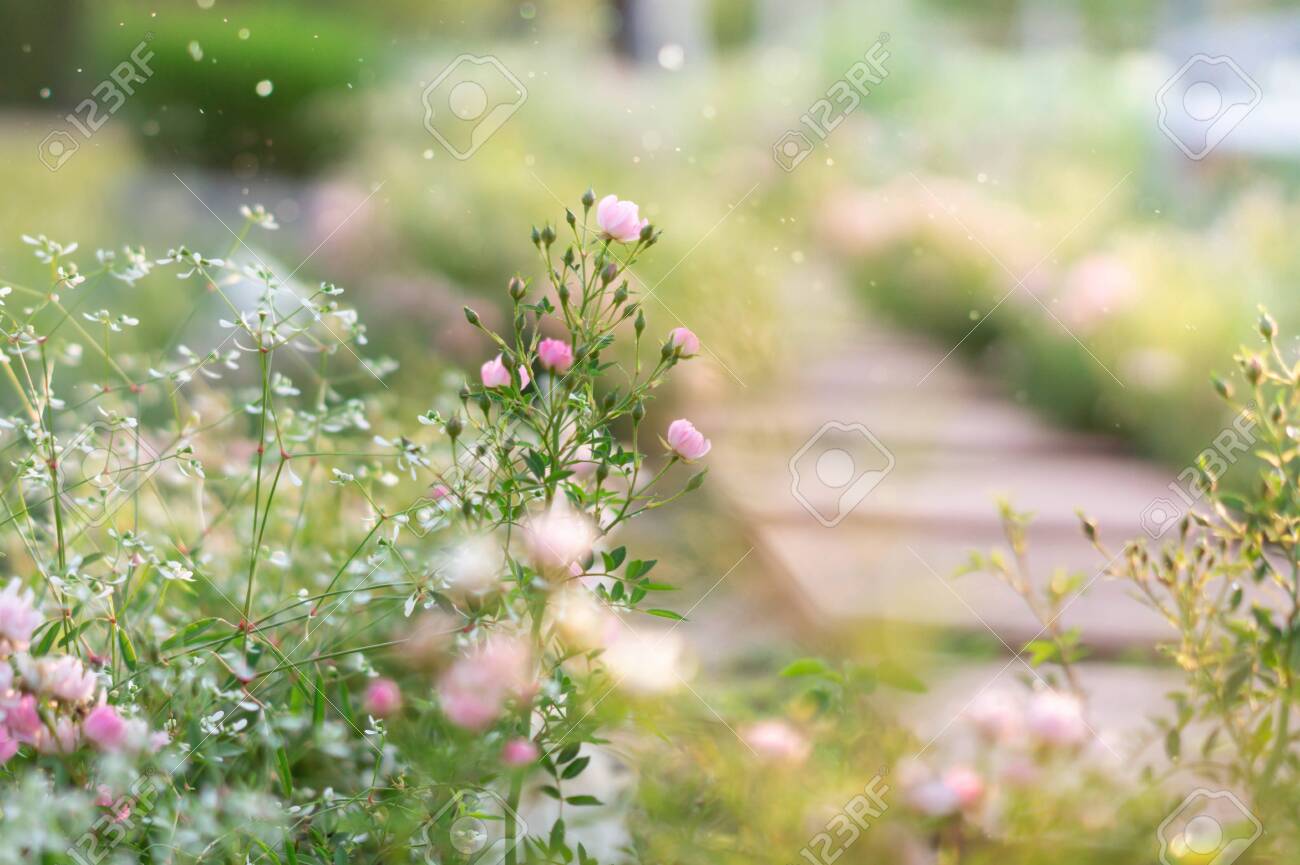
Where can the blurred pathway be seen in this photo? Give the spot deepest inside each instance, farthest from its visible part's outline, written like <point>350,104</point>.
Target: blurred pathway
<point>955,444</point>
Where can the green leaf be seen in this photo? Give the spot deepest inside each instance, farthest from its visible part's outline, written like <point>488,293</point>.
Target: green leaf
<point>128,650</point>
<point>575,768</point>
<point>188,634</point>
<point>283,770</point>
<point>637,568</point>
<point>569,752</point>
<point>805,667</point>
<point>583,800</point>
<point>318,704</point>
<point>557,836</point>
<point>666,614</point>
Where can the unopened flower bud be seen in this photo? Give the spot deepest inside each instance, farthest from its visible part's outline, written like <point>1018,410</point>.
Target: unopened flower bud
<point>1222,387</point>
<point>1276,414</point>
<point>588,198</point>
<point>536,236</point>
<point>570,218</point>
<point>568,257</point>
<point>640,322</point>
<point>454,426</point>
<point>647,231</point>
<point>668,350</point>
<point>548,235</point>
<point>602,472</point>
<point>517,288</point>
<point>1089,527</point>
<point>620,294</point>
<point>1254,370</point>
<point>608,272</point>
<point>464,393</point>
<point>471,316</point>
<point>563,292</point>
<point>483,402</point>
<point>610,400</point>
<point>638,412</point>
<point>1267,326</point>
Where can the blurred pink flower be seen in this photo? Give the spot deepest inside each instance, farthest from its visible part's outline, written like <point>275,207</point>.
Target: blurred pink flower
<point>18,618</point>
<point>620,220</point>
<point>383,698</point>
<point>686,441</point>
<point>1095,287</point>
<point>20,717</point>
<point>474,689</point>
<point>777,742</point>
<point>105,728</point>
<point>8,746</point>
<point>996,717</point>
<point>966,785</point>
<point>65,739</point>
<point>1056,719</point>
<point>682,338</point>
<point>519,752</point>
<point>555,355</point>
<point>62,677</point>
<point>558,537</point>
<point>932,798</point>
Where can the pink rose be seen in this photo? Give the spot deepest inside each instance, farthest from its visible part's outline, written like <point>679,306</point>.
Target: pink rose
<point>620,220</point>
<point>494,374</point>
<point>682,338</point>
<point>383,698</point>
<point>777,742</point>
<point>1056,719</point>
<point>474,689</point>
<point>105,728</point>
<point>519,752</point>
<point>18,618</point>
<point>555,354</point>
<point>558,537</point>
<point>686,441</point>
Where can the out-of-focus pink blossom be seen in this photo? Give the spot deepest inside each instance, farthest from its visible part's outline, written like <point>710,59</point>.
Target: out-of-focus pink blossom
<point>105,728</point>
<point>18,618</point>
<point>932,798</point>
<point>558,537</point>
<point>383,698</point>
<point>582,622</point>
<point>474,566</point>
<point>555,355</point>
<point>966,785</point>
<point>995,716</point>
<point>65,739</point>
<point>20,717</point>
<point>777,742</point>
<point>1095,287</point>
<point>62,677</point>
<point>6,678</point>
<point>494,374</point>
<point>519,752</point>
<point>474,689</point>
<point>1056,719</point>
<point>8,746</point>
<point>686,441</point>
<point>682,338</point>
<point>620,220</point>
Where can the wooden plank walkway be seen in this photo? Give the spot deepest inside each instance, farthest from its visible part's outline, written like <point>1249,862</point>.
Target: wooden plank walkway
<point>955,444</point>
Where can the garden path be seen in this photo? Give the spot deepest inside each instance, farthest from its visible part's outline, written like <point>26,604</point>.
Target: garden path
<point>955,443</point>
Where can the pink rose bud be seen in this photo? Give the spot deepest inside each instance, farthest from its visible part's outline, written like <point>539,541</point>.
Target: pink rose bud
<point>383,698</point>
<point>495,374</point>
<point>555,355</point>
<point>682,338</point>
<point>620,220</point>
<point>519,752</point>
<point>686,441</point>
<point>105,728</point>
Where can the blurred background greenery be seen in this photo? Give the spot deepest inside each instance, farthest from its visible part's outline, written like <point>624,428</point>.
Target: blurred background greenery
<point>1032,123</point>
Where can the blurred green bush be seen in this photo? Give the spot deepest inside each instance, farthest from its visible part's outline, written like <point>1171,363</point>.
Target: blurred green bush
<point>203,103</point>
